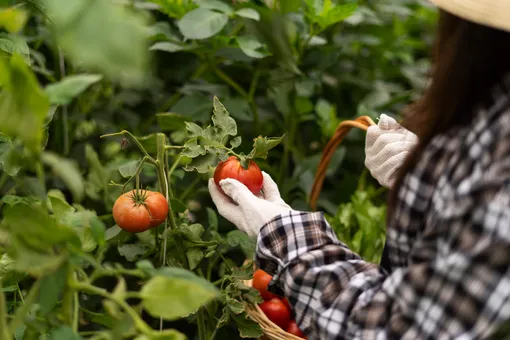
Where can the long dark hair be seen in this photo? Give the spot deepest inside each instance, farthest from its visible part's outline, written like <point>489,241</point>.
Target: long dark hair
<point>468,60</point>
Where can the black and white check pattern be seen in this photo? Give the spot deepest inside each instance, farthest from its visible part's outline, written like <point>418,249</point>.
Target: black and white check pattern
<point>448,248</point>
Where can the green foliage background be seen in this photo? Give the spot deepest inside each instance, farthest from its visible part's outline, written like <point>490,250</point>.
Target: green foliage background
<point>73,70</point>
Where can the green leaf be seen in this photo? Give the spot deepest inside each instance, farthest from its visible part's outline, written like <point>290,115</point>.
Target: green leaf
<point>10,161</point>
<point>64,333</point>
<point>175,8</point>
<point>132,251</point>
<point>262,145</point>
<point>128,169</point>
<point>39,230</point>
<point>89,31</point>
<point>248,13</point>
<point>222,120</point>
<point>68,171</point>
<point>64,91</point>
<point>15,44</point>
<point>52,286</point>
<point>202,23</point>
<point>112,232</point>
<point>8,275</point>
<point>185,292</point>
<point>195,256</point>
<point>247,327</point>
<point>236,142</point>
<point>235,306</point>
<point>202,164</point>
<point>59,206</point>
<point>216,5</point>
<point>167,46</point>
<point>335,15</point>
<point>172,121</point>
<point>212,219</point>
<point>177,205</point>
<point>88,226</point>
<point>23,105</point>
<point>193,129</point>
<point>13,19</point>
<point>252,47</point>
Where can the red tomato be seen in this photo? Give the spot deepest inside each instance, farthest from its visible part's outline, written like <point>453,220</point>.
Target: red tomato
<point>137,211</point>
<point>232,168</point>
<point>260,281</point>
<point>158,207</point>
<point>276,311</point>
<point>286,302</point>
<point>293,328</point>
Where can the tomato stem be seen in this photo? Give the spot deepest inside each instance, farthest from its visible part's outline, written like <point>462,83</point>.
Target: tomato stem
<point>135,140</point>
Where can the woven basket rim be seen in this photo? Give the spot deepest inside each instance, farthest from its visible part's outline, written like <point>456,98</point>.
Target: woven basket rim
<point>269,328</point>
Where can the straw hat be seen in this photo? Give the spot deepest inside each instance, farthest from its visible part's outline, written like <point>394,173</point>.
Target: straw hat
<point>493,13</point>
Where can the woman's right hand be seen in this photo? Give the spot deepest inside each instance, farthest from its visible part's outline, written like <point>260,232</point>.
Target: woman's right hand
<point>386,148</point>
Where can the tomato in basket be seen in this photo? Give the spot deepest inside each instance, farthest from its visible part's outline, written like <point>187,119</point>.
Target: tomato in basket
<point>260,281</point>
<point>293,329</point>
<point>276,311</point>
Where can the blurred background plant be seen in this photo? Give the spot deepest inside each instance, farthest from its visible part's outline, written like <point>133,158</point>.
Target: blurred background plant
<point>72,70</point>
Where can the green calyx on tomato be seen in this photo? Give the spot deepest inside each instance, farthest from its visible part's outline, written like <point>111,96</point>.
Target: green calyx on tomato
<point>138,210</point>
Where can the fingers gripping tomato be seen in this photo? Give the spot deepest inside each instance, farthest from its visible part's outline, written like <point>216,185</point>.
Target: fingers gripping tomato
<point>276,311</point>
<point>261,280</point>
<point>137,210</point>
<point>232,168</point>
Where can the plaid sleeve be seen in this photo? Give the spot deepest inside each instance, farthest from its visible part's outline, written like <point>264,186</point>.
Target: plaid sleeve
<point>457,287</point>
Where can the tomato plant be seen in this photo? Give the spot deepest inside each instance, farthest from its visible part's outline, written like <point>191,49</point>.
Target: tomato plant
<point>276,311</point>
<point>281,68</point>
<point>251,176</point>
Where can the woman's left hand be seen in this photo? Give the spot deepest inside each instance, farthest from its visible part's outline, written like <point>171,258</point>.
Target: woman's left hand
<point>241,207</point>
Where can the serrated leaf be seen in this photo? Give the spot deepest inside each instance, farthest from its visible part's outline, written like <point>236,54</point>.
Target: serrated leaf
<point>252,47</point>
<point>335,14</point>
<point>262,145</point>
<point>202,164</point>
<point>247,327</point>
<point>15,44</point>
<point>52,286</point>
<point>202,23</point>
<point>193,129</point>
<point>185,292</point>
<point>192,149</point>
<point>64,91</point>
<point>248,13</point>
<point>222,119</point>
<point>235,306</point>
<point>236,142</point>
<point>10,161</point>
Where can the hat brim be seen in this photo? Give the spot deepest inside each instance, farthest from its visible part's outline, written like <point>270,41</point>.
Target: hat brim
<point>493,13</point>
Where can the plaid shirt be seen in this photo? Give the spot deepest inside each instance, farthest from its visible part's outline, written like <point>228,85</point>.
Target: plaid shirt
<point>448,247</point>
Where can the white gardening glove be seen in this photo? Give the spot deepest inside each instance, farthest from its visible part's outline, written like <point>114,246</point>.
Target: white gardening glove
<point>387,146</point>
<point>241,207</point>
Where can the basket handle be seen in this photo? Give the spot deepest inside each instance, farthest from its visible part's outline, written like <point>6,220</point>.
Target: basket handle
<point>362,123</point>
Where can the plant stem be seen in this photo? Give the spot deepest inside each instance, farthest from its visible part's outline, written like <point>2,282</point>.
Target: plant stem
<point>76,312</point>
<point>4,333</point>
<point>22,311</point>
<point>65,118</point>
<point>202,333</point>
<point>222,75</point>
<point>20,294</point>
<point>190,188</point>
<point>139,323</point>
<point>138,144</point>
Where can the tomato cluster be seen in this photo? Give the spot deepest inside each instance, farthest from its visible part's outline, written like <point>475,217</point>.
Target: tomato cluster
<point>276,308</point>
<point>139,210</point>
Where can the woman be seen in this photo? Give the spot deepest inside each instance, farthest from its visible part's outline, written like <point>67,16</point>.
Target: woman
<point>447,268</point>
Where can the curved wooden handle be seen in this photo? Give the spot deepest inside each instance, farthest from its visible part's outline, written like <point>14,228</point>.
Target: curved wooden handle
<point>363,123</point>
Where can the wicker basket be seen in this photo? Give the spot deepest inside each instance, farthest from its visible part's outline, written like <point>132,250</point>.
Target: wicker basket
<point>270,329</point>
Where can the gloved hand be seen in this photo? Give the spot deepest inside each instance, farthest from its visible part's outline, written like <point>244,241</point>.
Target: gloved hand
<point>247,211</point>
<point>387,146</point>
